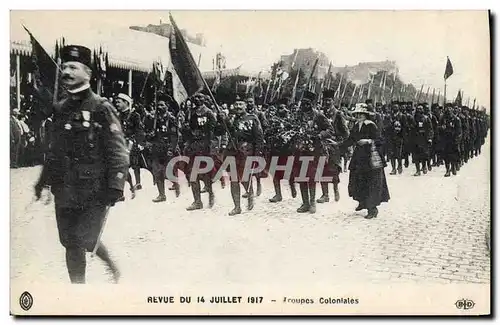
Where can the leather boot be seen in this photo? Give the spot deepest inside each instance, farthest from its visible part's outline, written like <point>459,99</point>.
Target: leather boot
<point>372,213</point>
<point>454,168</point>
<point>312,197</point>
<point>211,196</point>
<point>336,192</point>
<point>197,204</point>
<point>235,193</point>
<point>393,165</point>
<point>259,187</point>
<point>277,189</point>
<point>250,198</point>
<point>293,189</point>
<point>418,169</point>
<point>304,192</point>
<point>324,195</point>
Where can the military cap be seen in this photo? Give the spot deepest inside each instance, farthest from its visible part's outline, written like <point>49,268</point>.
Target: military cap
<point>309,95</point>
<point>77,53</point>
<point>240,96</point>
<point>328,93</point>
<point>369,101</point>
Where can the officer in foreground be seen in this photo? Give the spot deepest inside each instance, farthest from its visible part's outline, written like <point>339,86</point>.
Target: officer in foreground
<point>86,166</point>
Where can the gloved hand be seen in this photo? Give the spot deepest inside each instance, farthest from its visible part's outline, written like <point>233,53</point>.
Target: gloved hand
<point>112,196</point>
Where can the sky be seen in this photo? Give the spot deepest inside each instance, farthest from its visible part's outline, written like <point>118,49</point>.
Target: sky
<point>419,41</point>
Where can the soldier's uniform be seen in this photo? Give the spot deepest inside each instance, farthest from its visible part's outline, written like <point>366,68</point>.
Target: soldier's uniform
<point>247,139</point>
<point>339,133</point>
<point>86,166</point>
<point>136,137</point>
<point>165,146</point>
<point>395,138</point>
<point>278,135</point>
<point>466,138</point>
<point>313,128</point>
<point>408,144</point>
<point>253,109</point>
<point>422,135</point>
<point>451,130</point>
<point>200,125</point>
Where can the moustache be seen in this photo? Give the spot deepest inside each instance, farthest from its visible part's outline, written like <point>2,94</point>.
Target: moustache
<point>67,77</point>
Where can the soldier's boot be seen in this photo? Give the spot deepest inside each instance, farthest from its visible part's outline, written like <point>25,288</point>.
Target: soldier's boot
<point>393,165</point>
<point>75,262</point>
<point>137,174</point>
<point>336,192</point>
<point>102,253</point>
<point>177,188</point>
<point>312,197</point>
<point>132,192</point>
<point>457,167</point>
<point>250,196</point>
<point>211,196</point>
<point>197,204</point>
<point>418,169</point>
<point>304,192</point>
<point>407,163</point>
<point>429,165</point>
<point>277,190</point>
<point>235,193</point>
<point>293,189</point>
<point>424,167</point>
<point>454,168</point>
<point>400,166</point>
<point>161,190</point>
<point>259,187</point>
<point>324,193</point>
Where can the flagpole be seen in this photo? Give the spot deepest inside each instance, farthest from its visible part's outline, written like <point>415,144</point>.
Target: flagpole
<point>56,83</point>
<point>18,81</point>
<point>444,95</point>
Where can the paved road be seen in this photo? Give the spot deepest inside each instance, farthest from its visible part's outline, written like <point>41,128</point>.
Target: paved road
<point>432,231</point>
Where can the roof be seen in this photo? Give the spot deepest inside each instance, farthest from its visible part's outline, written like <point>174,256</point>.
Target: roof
<point>127,48</point>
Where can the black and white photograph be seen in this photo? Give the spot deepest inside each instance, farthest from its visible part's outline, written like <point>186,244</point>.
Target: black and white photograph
<point>222,162</point>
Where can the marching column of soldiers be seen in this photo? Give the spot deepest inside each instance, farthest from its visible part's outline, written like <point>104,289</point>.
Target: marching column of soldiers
<point>93,143</point>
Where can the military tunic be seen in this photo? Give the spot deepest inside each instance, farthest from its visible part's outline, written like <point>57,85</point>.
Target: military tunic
<point>87,157</point>
<point>247,140</point>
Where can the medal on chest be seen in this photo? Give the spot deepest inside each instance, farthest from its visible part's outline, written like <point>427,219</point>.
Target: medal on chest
<point>202,120</point>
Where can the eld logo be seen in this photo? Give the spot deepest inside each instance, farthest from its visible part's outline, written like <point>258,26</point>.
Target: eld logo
<point>465,304</point>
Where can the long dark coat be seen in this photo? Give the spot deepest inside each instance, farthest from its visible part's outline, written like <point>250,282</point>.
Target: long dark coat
<point>368,186</point>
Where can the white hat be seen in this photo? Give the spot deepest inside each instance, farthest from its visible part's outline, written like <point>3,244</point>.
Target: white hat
<point>125,97</point>
<point>361,108</point>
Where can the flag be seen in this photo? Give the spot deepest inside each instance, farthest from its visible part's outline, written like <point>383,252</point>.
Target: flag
<point>183,62</point>
<point>448,71</point>
<point>44,68</point>
<point>458,99</point>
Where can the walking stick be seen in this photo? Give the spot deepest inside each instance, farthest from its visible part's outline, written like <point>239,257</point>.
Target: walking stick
<point>101,231</point>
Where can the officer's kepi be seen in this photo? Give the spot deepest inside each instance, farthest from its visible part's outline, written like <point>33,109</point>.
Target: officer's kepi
<point>77,53</point>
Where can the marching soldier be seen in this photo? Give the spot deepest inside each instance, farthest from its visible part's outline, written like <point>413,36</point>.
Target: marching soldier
<point>451,130</point>
<point>252,109</point>
<point>395,138</point>
<point>247,139</point>
<point>200,123</point>
<point>409,144</point>
<point>465,143</point>
<point>434,122</point>
<point>339,133</point>
<point>279,134</point>
<point>422,135</point>
<point>86,165</point>
<point>437,143</point>
<point>314,128</point>
<point>165,146</point>
<point>134,134</point>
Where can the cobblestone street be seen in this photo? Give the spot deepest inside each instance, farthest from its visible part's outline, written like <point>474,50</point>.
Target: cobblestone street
<point>432,230</point>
